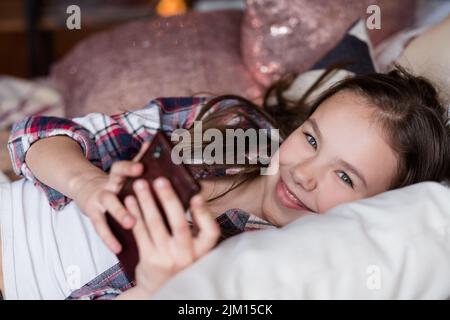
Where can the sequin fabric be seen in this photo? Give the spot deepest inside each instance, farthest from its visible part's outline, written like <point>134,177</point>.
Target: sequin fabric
<point>280,36</point>
<point>126,67</point>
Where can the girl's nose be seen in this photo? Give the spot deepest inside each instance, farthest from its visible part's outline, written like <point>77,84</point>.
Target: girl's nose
<point>304,174</point>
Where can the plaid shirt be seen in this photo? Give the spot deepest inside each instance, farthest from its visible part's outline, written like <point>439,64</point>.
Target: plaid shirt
<point>105,139</point>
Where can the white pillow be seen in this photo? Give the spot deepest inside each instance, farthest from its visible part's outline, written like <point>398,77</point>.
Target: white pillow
<point>395,245</point>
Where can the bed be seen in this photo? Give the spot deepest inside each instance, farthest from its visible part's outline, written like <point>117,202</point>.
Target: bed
<point>393,246</point>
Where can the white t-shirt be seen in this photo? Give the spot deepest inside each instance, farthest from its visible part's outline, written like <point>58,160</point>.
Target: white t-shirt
<point>46,253</point>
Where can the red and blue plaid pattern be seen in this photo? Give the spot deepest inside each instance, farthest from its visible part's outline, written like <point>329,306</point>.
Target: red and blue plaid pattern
<point>104,139</point>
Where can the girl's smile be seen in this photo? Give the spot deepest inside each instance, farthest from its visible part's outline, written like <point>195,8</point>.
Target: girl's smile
<point>287,198</point>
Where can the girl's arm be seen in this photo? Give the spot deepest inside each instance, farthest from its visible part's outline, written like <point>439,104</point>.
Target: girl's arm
<point>46,158</point>
<point>93,190</point>
<point>103,139</point>
<point>43,150</point>
<point>67,160</point>
<point>27,134</point>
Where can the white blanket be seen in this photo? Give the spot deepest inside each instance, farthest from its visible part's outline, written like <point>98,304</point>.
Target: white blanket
<point>46,254</point>
<point>392,246</point>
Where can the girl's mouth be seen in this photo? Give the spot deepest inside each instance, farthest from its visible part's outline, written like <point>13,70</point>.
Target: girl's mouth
<point>287,198</point>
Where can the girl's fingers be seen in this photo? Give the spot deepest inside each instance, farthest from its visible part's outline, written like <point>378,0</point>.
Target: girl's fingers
<point>112,204</point>
<point>144,148</point>
<point>140,231</point>
<point>175,214</point>
<point>122,169</point>
<point>102,228</point>
<point>153,219</point>
<point>209,230</point>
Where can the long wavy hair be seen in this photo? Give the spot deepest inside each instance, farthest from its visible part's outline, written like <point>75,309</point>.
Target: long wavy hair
<point>407,107</point>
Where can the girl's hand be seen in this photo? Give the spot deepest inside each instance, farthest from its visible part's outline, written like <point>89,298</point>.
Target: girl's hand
<point>99,195</point>
<point>162,254</point>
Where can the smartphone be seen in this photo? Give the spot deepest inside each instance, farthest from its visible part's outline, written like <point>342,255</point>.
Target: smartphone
<point>157,162</point>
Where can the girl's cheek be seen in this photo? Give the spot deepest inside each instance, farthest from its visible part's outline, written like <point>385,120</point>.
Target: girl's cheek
<point>325,203</point>
<point>291,151</point>
<point>332,195</point>
<point>283,156</point>
<point>327,199</point>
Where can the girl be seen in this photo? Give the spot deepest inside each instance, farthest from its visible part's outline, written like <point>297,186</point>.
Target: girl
<point>365,135</point>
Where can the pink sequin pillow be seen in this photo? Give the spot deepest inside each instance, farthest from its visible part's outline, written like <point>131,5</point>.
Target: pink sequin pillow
<point>124,68</point>
<point>280,36</point>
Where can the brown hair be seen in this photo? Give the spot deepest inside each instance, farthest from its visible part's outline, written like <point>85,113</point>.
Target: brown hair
<point>406,106</point>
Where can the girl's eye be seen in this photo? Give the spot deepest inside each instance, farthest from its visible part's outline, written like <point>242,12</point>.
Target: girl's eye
<point>344,177</point>
<point>311,140</point>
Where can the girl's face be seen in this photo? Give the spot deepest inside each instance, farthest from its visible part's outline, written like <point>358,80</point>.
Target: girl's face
<point>338,155</point>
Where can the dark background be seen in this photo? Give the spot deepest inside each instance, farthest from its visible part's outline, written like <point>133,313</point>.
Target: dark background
<point>33,33</point>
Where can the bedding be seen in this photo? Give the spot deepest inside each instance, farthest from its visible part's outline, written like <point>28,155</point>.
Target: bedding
<point>433,64</point>
<point>46,254</point>
<point>395,245</point>
<point>354,47</point>
<point>3,177</point>
<point>20,98</point>
<point>280,36</point>
<point>5,163</point>
<point>411,49</point>
<point>126,67</point>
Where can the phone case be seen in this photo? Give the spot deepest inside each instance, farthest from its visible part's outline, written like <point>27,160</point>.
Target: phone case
<point>157,162</point>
